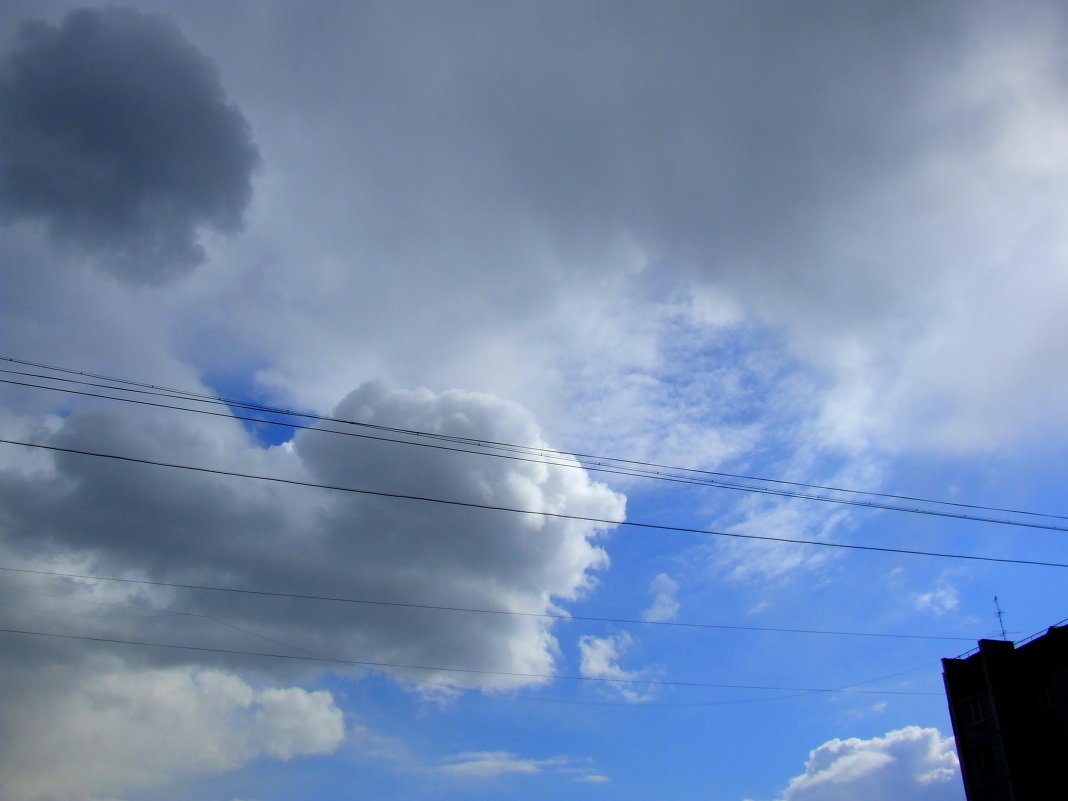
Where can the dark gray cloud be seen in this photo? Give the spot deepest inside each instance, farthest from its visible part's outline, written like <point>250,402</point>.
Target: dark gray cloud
<point>836,170</point>
<point>718,135</point>
<point>116,132</point>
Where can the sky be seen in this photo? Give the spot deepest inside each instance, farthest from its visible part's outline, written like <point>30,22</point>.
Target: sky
<point>772,255</point>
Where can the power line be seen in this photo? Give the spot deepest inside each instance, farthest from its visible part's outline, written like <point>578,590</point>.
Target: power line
<point>511,455</point>
<point>439,669</point>
<point>647,467</point>
<point>404,605</point>
<point>513,510</point>
<point>151,616</point>
<point>393,674</point>
<point>444,685</point>
<point>231,402</point>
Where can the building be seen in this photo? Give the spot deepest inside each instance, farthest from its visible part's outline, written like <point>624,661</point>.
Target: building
<point>1009,707</point>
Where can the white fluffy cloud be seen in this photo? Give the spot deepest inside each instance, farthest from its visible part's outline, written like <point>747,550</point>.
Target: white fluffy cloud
<point>912,762</point>
<point>105,728</point>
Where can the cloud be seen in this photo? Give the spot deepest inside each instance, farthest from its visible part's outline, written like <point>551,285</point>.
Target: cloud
<point>664,606</point>
<point>105,727</point>
<point>115,132</point>
<point>912,762</point>
<point>474,765</point>
<point>600,660</point>
<point>489,764</point>
<point>291,721</point>
<point>587,214</point>
<point>118,519</point>
<point>593,778</point>
<point>755,560</point>
<point>937,602</point>
<point>873,185</point>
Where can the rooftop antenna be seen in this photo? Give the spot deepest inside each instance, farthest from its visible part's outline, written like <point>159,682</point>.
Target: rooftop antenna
<point>1001,621</point>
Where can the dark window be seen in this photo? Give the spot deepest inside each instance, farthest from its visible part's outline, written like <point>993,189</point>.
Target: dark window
<point>976,710</point>
<point>984,759</point>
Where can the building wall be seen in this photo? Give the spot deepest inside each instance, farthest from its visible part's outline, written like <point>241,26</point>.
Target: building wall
<point>1009,708</point>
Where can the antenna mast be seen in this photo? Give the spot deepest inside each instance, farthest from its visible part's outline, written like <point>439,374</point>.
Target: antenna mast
<point>1001,621</point>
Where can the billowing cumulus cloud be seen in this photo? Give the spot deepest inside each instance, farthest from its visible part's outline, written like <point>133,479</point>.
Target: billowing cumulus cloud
<point>81,515</point>
<point>116,518</point>
<point>116,133</point>
<point>110,728</point>
<point>912,762</point>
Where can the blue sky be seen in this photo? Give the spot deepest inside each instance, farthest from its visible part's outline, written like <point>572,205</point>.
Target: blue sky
<point>819,243</point>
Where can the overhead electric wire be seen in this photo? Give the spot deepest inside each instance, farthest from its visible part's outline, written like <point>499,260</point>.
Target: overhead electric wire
<point>484,443</point>
<point>570,464</point>
<point>232,402</point>
<point>443,685</point>
<point>440,669</point>
<point>210,618</point>
<point>150,616</point>
<point>393,674</point>
<point>438,607</point>
<point>510,451</point>
<point>532,512</point>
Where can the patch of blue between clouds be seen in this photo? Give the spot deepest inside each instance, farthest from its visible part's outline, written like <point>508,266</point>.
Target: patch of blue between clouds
<point>735,376</point>
<point>267,429</point>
